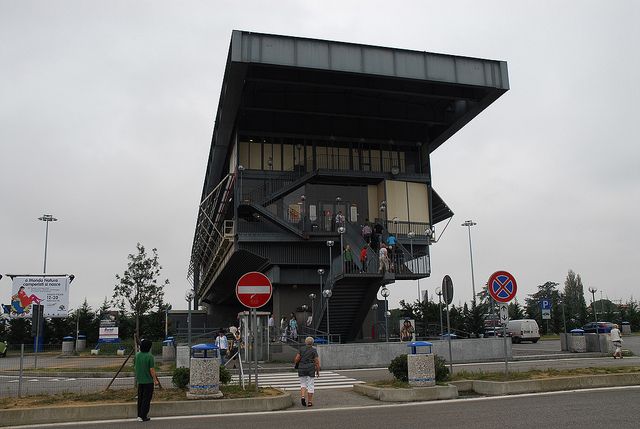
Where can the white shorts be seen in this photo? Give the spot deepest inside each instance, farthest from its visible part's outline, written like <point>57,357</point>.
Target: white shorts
<point>306,382</point>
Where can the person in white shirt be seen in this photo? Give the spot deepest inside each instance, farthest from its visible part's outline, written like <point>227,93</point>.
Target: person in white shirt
<point>616,339</point>
<point>223,345</point>
<point>272,327</point>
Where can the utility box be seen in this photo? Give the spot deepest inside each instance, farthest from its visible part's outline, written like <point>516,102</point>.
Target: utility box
<point>421,366</point>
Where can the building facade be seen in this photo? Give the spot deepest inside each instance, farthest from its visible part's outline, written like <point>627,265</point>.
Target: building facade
<point>314,139</point>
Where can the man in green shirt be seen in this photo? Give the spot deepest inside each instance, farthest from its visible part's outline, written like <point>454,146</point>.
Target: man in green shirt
<point>145,377</point>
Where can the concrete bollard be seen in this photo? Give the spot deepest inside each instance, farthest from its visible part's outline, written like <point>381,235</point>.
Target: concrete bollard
<point>421,366</point>
<point>81,343</point>
<point>67,346</point>
<point>577,341</point>
<point>204,375</point>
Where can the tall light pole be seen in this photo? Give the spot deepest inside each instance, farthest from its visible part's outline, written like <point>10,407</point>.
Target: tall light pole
<point>312,297</point>
<point>189,297</point>
<point>320,273</point>
<point>385,294</point>
<point>327,294</point>
<point>469,224</point>
<point>439,293</point>
<point>46,218</point>
<point>330,244</point>
<point>593,291</point>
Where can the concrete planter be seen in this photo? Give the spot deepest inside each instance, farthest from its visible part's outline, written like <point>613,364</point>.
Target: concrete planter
<point>390,394</point>
<point>80,413</point>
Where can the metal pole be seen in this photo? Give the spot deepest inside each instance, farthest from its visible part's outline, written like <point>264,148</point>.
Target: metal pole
<point>506,357</point>
<point>35,355</point>
<point>189,325</point>
<point>255,343</point>
<point>440,307</point>
<point>386,320</point>
<point>330,264</point>
<point>21,368</point>
<point>564,320</point>
<point>469,224</point>
<point>449,335</point>
<point>46,239</point>
<point>166,322</point>
<point>328,327</point>
<point>595,316</point>
<point>342,252</point>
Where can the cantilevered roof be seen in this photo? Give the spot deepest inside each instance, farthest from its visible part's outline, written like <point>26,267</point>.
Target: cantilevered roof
<point>289,85</point>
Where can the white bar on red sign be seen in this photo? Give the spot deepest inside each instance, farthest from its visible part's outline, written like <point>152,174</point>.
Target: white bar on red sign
<point>253,289</point>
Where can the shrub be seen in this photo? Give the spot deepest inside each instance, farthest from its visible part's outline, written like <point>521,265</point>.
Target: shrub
<point>180,378</point>
<point>442,372</point>
<point>225,375</point>
<point>399,369</point>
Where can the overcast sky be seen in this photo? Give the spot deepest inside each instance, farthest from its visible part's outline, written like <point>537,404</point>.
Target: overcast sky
<point>107,110</point>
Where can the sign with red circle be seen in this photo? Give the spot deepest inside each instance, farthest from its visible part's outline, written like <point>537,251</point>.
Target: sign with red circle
<point>502,286</point>
<point>253,289</point>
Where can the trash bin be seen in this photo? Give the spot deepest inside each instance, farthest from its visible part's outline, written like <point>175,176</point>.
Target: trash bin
<point>81,343</point>
<point>168,349</point>
<point>625,327</point>
<point>204,376</point>
<point>421,366</point>
<point>577,341</point>
<point>67,345</point>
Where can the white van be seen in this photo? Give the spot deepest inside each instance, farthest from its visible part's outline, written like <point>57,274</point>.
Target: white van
<point>523,330</point>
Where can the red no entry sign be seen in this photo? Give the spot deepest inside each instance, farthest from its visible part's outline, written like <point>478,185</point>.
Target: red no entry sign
<point>253,289</point>
<point>502,286</point>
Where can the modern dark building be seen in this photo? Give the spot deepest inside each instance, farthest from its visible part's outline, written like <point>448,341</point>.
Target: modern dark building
<point>312,138</point>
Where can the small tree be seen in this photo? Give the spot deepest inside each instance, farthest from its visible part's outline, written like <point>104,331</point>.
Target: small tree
<point>138,289</point>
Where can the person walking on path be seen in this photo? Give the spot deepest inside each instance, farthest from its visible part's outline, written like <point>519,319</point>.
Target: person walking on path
<point>272,327</point>
<point>146,378</point>
<point>308,365</point>
<point>616,339</point>
<point>223,346</point>
<point>293,327</point>
<point>348,259</point>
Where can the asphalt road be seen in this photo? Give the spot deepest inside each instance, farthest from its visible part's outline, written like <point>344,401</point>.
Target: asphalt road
<point>585,409</point>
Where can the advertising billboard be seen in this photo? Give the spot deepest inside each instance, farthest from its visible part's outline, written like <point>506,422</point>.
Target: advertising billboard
<point>50,291</point>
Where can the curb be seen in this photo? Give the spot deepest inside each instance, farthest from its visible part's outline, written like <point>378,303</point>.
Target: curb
<point>408,395</point>
<point>499,388</point>
<point>80,413</point>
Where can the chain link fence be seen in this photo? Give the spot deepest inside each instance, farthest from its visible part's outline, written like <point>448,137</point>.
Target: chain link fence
<point>59,368</point>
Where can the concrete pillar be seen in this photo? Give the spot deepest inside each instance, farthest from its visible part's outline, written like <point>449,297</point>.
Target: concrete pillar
<point>204,378</point>
<point>422,370</point>
<point>182,357</point>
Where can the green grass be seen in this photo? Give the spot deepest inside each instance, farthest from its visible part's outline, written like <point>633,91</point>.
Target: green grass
<point>542,374</point>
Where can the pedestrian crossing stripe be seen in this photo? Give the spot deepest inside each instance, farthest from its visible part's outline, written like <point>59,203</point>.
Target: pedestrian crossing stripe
<point>291,381</point>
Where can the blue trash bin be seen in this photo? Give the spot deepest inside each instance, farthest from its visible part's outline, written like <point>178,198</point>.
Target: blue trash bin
<point>415,344</point>
<point>204,350</point>
<point>577,331</point>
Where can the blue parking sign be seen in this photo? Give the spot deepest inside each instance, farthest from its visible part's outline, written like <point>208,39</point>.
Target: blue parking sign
<point>545,304</point>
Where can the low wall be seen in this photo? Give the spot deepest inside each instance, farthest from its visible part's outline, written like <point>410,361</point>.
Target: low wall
<point>591,343</point>
<point>374,355</point>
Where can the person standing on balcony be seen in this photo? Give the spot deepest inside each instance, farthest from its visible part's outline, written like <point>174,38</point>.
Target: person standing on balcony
<point>363,258</point>
<point>366,231</point>
<point>348,259</point>
<point>340,219</point>
<point>293,327</point>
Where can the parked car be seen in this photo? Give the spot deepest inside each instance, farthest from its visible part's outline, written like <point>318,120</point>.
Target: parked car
<point>603,327</point>
<point>523,330</point>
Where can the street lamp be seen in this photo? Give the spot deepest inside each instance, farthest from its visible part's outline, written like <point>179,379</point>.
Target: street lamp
<point>312,297</point>
<point>189,297</point>
<point>302,209</point>
<point>341,231</point>
<point>593,291</point>
<point>374,307</point>
<point>330,245</point>
<point>385,293</point>
<point>469,224</point>
<point>327,294</point>
<point>46,218</point>
<point>320,273</point>
<point>439,293</point>
<point>241,169</point>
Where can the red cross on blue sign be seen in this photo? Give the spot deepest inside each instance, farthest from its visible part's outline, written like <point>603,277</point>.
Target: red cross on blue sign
<point>502,286</point>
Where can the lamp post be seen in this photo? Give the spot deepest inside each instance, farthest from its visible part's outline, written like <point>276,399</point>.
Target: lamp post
<point>312,297</point>
<point>320,273</point>
<point>469,224</point>
<point>374,307</point>
<point>341,231</point>
<point>593,291</point>
<point>240,169</point>
<point>327,294</point>
<point>439,293</point>
<point>564,320</point>
<point>302,209</point>
<point>46,218</point>
<point>189,297</point>
<point>385,293</point>
<point>330,245</point>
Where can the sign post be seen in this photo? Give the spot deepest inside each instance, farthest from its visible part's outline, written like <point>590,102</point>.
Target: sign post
<point>254,290</point>
<point>502,287</point>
